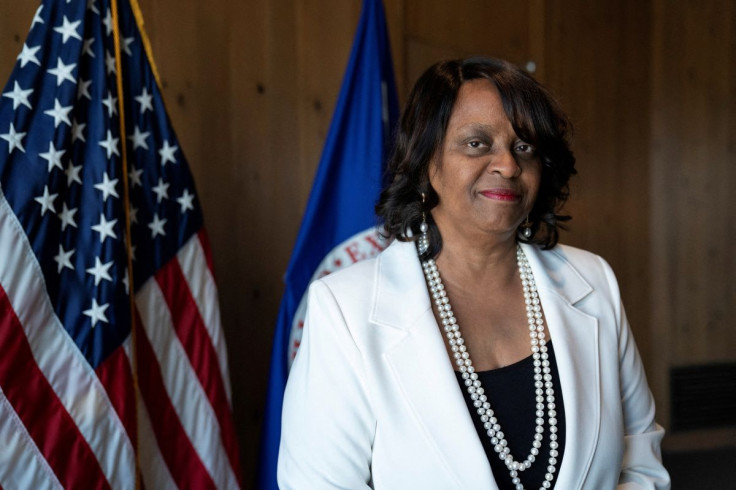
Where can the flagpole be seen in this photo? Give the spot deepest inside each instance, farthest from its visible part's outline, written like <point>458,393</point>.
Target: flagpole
<point>146,43</point>
<point>128,244</point>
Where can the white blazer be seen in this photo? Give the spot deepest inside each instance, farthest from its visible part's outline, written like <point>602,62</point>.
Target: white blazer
<point>372,400</point>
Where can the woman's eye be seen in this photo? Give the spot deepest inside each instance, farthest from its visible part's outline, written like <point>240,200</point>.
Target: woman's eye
<point>525,148</point>
<point>475,144</point>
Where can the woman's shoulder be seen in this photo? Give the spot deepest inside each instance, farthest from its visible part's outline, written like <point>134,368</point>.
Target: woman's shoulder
<point>356,275</point>
<point>576,257</point>
<point>363,291</point>
<point>390,275</point>
<point>364,273</point>
<point>589,266</point>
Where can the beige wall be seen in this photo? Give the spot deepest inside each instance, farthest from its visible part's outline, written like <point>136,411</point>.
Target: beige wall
<point>650,86</point>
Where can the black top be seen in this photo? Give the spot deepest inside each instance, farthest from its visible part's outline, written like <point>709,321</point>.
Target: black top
<point>510,391</point>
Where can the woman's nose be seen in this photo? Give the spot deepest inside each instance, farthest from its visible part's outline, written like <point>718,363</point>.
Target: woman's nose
<point>505,164</point>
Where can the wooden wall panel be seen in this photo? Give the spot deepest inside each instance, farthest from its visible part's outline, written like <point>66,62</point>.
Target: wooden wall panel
<point>436,30</point>
<point>694,162</point>
<point>15,19</point>
<point>597,63</point>
<point>320,25</point>
<point>693,176</point>
<point>469,26</point>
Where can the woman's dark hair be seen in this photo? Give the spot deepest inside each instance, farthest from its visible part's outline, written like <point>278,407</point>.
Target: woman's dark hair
<point>535,117</point>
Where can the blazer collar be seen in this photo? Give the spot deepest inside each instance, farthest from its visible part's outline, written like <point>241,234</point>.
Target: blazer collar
<point>574,332</point>
<point>419,361</point>
<point>556,273</point>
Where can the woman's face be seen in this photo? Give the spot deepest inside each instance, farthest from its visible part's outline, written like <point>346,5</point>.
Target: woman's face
<point>485,176</point>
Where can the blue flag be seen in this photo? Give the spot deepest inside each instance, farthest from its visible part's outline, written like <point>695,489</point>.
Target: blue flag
<point>339,224</point>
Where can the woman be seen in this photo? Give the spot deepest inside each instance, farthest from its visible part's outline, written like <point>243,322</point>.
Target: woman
<point>474,352</point>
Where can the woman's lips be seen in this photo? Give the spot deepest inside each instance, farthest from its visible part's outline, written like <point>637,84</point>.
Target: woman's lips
<point>501,194</point>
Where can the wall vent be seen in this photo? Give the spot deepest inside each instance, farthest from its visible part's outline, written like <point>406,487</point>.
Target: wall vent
<point>703,396</point>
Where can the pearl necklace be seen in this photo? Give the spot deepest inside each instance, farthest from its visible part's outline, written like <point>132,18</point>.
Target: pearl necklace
<point>542,373</point>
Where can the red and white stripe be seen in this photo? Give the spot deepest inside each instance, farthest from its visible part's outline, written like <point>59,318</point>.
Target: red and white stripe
<point>154,471</point>
<point>64,424</point>
<point>191,382</point>
<point>19,451</point>
<point>196,265</point>
<point>46,381</point>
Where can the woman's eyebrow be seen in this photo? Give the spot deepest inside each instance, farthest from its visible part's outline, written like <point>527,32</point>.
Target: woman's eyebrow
<point>478,127</point>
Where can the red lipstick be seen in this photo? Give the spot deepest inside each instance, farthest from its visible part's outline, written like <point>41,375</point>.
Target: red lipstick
<point>501,194</point>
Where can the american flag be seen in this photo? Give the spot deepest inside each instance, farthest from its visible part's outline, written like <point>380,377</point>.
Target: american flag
<point>86,399</point>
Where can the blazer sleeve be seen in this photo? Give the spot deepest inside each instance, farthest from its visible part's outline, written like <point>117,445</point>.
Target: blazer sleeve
<point>327,422</point>
<point>641,467</point>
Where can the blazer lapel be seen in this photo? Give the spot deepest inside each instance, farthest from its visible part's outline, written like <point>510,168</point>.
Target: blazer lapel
<point>424,372</point>
<point>575,337</point>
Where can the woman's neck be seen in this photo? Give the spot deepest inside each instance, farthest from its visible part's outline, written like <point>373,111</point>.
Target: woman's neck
<point>490,263</point>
